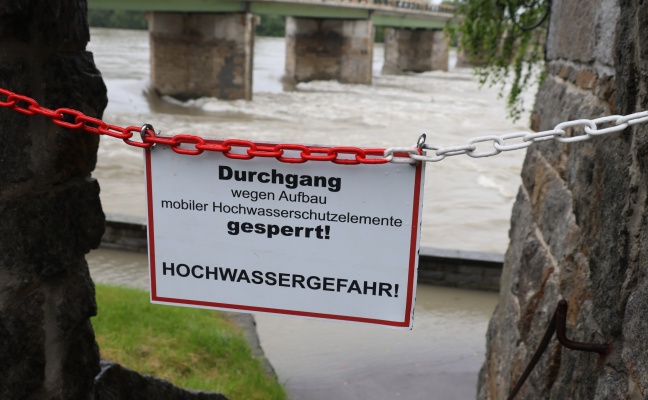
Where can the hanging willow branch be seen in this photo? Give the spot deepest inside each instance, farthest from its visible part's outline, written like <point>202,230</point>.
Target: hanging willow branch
<point>504,41</point>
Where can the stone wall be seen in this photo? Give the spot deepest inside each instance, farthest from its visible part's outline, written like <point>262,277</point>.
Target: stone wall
<point>578,224</point>
<point>51,216</point>
<point>49,205</point>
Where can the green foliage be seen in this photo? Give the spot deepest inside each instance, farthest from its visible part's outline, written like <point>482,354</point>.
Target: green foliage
<point>492,36</point>
<point>192,348</point>
<point>272,25</point>
<point>379,36</point>
<point>117,19</point>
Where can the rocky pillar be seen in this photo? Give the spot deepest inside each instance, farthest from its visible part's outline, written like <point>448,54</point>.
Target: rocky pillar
<point>49,205</point>
<point>328,49</point>
<point>202,55</point>
<point>579,228</point>
<point>415,50</point>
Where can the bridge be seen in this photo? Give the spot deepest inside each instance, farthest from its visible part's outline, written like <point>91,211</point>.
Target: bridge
<point>205,47</point>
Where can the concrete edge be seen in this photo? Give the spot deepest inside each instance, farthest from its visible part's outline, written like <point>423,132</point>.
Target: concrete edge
<point>487,258</point>
<point>442,267</point>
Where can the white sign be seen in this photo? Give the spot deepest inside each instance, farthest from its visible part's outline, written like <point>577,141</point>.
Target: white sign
<point>317,239</point>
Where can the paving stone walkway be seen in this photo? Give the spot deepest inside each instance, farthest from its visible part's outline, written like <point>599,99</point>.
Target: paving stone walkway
<point>122,268</point>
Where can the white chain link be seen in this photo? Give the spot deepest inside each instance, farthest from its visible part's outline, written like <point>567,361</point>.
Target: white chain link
<point>591,128</point>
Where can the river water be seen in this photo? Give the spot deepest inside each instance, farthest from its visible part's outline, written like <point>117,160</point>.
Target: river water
<point>467,205</point>
<point>467,201</point>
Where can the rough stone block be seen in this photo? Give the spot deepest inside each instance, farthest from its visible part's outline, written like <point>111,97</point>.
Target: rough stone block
<point>415,50</point>
<point>216,55</point>
<point>116,383</point>
<point>328,49</point>
<point>583,34</point>
<point>586,79</point>
<point>22,347</point>
<point>49,206</point>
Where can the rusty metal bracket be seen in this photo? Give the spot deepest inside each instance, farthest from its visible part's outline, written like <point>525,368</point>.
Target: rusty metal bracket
<point>557,324</point>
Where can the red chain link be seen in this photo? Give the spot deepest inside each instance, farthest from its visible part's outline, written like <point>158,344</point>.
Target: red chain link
<point>191,144</point>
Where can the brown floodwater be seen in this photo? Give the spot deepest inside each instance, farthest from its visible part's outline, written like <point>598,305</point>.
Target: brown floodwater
<point>467,201</point>
<point>438,359</point>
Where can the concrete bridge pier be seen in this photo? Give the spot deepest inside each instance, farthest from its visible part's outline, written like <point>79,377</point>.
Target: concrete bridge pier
<point>415,50</point>
<point>202,54</point>
<point>329,49</point>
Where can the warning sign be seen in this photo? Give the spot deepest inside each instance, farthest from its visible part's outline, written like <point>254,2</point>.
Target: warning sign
<point>316,239</point>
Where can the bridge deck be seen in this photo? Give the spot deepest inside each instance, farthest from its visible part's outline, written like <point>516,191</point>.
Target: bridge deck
<point>393,13</point>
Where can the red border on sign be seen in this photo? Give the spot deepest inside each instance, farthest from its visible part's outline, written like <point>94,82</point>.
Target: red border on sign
<point>406,322</point>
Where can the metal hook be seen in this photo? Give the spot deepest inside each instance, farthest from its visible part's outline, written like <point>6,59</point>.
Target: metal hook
<point>557,324</point>
<point>561,334</point>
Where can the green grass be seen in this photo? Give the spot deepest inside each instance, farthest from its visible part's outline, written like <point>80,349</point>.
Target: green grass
<point>192,348</point>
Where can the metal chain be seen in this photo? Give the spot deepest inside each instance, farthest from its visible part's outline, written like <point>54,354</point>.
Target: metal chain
<point>191,144</point>
<point>231,148</point>
<point>507,142</point>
